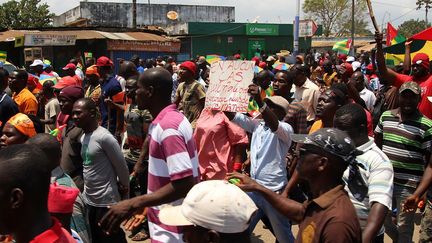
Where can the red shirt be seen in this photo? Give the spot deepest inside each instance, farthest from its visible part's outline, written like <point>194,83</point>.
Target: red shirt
<point>425,107</point>
<point>55,234</point>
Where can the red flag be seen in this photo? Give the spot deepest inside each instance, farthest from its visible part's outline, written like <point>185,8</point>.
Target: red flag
<point>391,34</point>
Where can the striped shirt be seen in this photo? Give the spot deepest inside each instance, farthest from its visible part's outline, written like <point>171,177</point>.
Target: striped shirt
<point>405,143</point>
<point>377,173</point>
<point>172,156</point>
<point>296,117</point>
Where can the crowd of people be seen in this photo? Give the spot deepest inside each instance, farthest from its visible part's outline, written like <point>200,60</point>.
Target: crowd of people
<point>338,144</point>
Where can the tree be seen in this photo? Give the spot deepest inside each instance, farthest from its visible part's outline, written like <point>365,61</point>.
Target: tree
<point>335,15</point>
<point>427,4</point>
<point>361,28</point>
<point>25,14</point>
<point>411,27</point>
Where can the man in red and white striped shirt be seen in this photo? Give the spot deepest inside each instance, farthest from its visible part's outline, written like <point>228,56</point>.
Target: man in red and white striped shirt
<point>173,161</point>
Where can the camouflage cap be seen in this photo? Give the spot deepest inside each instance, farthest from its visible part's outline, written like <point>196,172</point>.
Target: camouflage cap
<point>413,86</point>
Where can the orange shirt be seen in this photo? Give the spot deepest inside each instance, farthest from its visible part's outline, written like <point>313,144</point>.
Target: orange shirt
<point>26,102</point>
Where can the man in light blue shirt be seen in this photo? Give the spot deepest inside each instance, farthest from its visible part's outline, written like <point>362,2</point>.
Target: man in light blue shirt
<point>271,139</point>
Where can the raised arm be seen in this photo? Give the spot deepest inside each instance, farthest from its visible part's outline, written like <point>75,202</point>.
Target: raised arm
<point>269,117</point>
<point>388,75</point>
<point>407,59</point>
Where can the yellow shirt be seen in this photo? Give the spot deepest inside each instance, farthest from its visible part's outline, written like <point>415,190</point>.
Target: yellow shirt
<point>26,101</point>
<point>316,126</point>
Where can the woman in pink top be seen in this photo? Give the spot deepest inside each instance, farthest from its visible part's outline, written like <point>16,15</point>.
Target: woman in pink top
<point>220,144</point>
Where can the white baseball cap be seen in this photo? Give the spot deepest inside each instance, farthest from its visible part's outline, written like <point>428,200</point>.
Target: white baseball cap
<point>350,59</point>
<point>37,62</point>
<point>355,65</point>
<point>215,205</point>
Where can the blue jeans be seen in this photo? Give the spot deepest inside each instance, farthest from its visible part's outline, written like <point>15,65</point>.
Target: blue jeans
<point>280,224</point>
<point>403,231</point>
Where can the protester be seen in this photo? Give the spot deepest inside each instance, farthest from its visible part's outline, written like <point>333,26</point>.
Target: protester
<point>78,70</point>
<point>369,181</point>
<point>70,135</point>
<point>214,211</point>
<point>323,158</point>
<point>17,130</point>
<point>330,75</point>
<point>52,106</point>
<point>367,95</point>
<point>103,163</point>
<point>173,163</point>
<point>8,108</point>
<point>60,206</point>
<point>190,94</point>
<point>24,187</point>
<point>137,125</point>
<point>271,139</point>
<point>77,220</point>
<point>412,202</point>
<point>296,115</point>
<point>112,118</point>
<point>127,70</point>
<point>94,89</point>
<point>420,74</point>
<point>305,91</point>
<point>221,145</point>
<point>70,69</point>
<point>37,67</point>
<point>136,60</point>
<point>26,101</point>
<point>328,102</point>
<point>404,134</point>
<point>48,69</point>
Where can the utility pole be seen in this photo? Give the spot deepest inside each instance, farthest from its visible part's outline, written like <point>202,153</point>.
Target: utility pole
<point>134,13</point>
<point>352,51</point>
<point>296,29</point>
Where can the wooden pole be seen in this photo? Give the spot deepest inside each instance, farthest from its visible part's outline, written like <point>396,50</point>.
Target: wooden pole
<point>372,16</point>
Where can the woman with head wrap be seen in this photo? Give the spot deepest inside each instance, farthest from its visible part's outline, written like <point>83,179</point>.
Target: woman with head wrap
<point>18,129</point>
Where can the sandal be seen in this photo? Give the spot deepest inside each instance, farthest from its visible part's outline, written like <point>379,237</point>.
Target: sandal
<point>140,236</point>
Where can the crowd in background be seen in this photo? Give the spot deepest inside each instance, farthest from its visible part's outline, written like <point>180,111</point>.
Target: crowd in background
<point>338,144</point>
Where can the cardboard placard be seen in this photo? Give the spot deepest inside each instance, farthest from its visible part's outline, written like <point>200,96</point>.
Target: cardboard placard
<point>229,81</point>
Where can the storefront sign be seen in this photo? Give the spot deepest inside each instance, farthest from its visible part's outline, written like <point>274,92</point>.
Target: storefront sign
<point>262,29</point>
<point>307,28</point>
<point>49,40</point>
<point>157,46</point>
<point>229,81</point>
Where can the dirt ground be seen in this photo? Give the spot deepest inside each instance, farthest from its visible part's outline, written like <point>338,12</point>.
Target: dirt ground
<point>261,235</point>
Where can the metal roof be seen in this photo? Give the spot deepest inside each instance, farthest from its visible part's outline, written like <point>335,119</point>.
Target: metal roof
<point>10,35</point>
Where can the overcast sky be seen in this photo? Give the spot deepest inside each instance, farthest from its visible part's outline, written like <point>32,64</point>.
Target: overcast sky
<point>274,11</point>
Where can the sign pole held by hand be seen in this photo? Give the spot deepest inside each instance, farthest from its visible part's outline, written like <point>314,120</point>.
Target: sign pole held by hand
<point>372,16</point>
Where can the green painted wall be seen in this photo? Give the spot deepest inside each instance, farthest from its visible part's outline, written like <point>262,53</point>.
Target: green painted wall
<point>227,38</point>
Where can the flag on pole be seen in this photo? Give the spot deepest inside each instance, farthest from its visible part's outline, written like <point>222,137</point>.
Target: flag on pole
<point>421,43</point>
<point>393,38</point>
<point>342,46</point>
<point>3,56</point>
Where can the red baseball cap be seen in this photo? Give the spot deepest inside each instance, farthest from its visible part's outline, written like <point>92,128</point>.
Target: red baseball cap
<point>69,66</point>
<point>421,59</point>
<point>262,65</point>
<point>256,60</point>
<point>342,56</point>
<point>64,82</point>
<point>191,66</point>
<point>237,56</point>
<point>104,61</point>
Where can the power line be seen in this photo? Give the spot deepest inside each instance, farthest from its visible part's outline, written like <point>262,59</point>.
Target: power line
<point>389,4</point>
